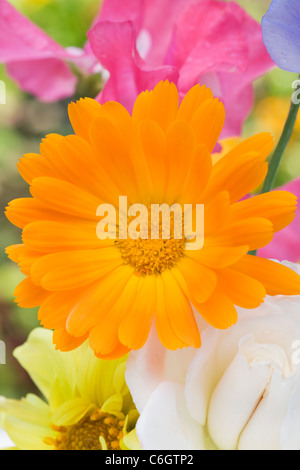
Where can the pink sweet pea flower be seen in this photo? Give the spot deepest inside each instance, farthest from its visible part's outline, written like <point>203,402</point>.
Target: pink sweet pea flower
<point>203,41</point>
<point>38,64</point>
<point>141,42</point>
<point>286,244</point>
<point>42,67</point>
<point>33,59</point>
<point>129,74</point>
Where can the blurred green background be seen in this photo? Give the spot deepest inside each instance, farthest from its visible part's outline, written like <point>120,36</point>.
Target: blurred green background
<point>24,121</point>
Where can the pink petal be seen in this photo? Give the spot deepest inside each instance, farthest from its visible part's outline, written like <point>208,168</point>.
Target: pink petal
<point>20,38</point>
<point>114,44</point>
<point>34,59</point>
<point>47,79</point>
<point>226,53</point>
<point>156,17</point>
<point>218,45</point>
<point>237,90</point>
<point>116,11</point>
<point>286,243</point>
<point>159,20</point>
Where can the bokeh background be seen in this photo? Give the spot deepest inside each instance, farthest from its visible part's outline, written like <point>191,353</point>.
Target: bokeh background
<point>24,122</point>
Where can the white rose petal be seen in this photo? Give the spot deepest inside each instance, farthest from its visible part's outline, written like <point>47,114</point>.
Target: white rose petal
<point>5,441</point>
<point>263,430</point>
<point>290,435</point>
<point>165,423</point>
<point>240,390</point>
<point>235,399</point>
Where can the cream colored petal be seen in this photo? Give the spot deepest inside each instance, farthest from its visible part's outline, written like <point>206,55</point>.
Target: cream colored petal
<point>290,430</point>
<point>71,412</point>
<point>165,423</point>
<point>235,399</point>
<point>113,405</point>
<point>152,364</point>
<point>39,358</point>
<point>263,430</point>
<point>131,441</point>
<point>27,422</point>
<point>202,376</point>
<point>119,379</point>
<point>98,379</point>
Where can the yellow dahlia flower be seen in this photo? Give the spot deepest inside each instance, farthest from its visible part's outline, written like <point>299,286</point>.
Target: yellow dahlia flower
<point>88,405</point>
<point>111,291</point>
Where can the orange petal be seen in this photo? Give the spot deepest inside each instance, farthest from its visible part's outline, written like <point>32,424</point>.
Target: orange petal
<point>277,206</point>
<point>164,328</point>
<point>23,211</point>
<point>83,168</point>
<point>216,213</point>
<point>238,175</point>
<point>54,311</point>
<point>119,116</point>
<point>119,351</point>
<point>104,337</point>
<point>208,122</point>
<point>226,145</point>
<point>254,232</point>
<point>65,197</point>
<point>114,153</point>
<point>193,99</point>
<point>276,278</point>
<point>135,326</point>
<point>28,295</point>
<point>196,280</point>
<point>218,256</point>
<point>73,269</point>
<point>218,311</point>
<point>94,306</point>
<point>261,143</point>
<point>22,255</point>
<point>52,236</point>
<point>65,342</point>
<point>241,289</point>
<point>198,177</point>
<point>154,148</point>
<point>33,165</point>
<point>180,141</point>
<point>159,105</point>
<point>181,315</point>
<point>82,113</point>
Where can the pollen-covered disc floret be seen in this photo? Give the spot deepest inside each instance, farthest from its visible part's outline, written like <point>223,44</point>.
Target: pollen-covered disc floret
<point>92,432</point>
<point>151,256</point>
<point>84,402</point>
<point>112,293</point>
<point>148,255</point>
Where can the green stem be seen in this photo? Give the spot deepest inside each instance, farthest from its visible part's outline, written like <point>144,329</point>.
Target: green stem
<point>279,151</point>
<point>281,146</point>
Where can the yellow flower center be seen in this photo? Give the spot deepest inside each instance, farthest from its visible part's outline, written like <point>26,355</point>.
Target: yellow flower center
<point>151,256</point>
<point>85,435</point>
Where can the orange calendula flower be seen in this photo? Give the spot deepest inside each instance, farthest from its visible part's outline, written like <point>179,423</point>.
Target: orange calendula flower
<point>111,291</point>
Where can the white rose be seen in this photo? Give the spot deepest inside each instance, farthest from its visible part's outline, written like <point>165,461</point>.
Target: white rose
<point>240,390</point>
<point>5,441</point>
